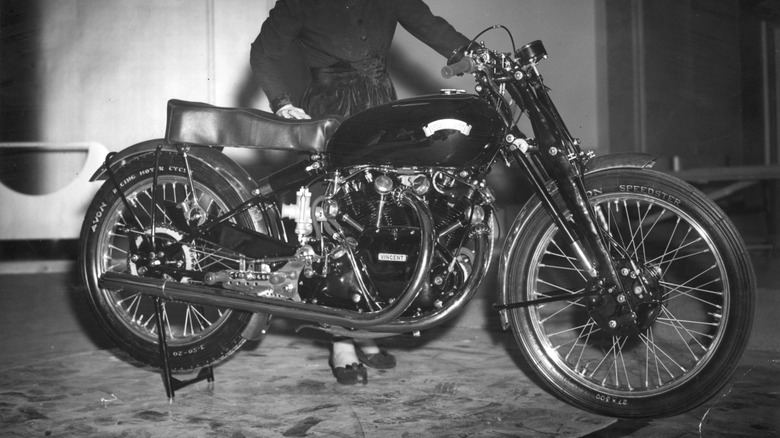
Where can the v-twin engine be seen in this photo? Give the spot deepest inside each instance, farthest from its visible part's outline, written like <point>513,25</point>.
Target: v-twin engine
<point>370,242</point>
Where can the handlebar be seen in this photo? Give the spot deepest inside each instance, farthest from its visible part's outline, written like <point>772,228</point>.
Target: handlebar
<point>465,65</point>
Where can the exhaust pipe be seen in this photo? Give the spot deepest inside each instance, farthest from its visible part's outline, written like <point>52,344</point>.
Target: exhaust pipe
<point>214,296</point>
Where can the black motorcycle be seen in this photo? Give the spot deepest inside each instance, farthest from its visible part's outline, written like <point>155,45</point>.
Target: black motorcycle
<point>629,292</point>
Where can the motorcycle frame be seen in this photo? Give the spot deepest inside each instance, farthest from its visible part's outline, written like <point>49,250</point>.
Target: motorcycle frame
<point>553,158</point>
<point>385,322</point>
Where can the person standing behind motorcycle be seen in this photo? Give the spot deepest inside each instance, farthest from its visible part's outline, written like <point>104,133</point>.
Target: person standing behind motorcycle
<point>345,45</point>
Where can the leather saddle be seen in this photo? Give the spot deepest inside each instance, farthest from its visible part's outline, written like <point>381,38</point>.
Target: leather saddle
<point>203,124</point>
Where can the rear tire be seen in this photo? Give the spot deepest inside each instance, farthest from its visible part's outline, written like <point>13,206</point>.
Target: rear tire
<point>693,339</point>
<point>198,336</point>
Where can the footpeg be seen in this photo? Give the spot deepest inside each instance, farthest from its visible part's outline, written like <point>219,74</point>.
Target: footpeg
<point>280,284</point>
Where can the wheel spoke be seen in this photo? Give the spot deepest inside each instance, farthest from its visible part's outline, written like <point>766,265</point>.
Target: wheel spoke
<point>631,233</point>
<point>659,357</point>
<point>587,330</point>
<point>571,262</point>
<point>135,202</point>
<point>678,325</point>
<point>652,351</point>
<point>567,331</point>
<point>569,304</point>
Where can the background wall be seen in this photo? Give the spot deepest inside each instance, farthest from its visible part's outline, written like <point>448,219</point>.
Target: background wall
<point>105,68</point>
<point>676,80</point>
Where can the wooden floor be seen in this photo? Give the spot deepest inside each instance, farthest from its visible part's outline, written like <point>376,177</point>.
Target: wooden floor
<point>60,377</point>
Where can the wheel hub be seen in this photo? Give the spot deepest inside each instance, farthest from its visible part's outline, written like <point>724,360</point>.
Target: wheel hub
<point>632,308</point>
<point>170,256</point>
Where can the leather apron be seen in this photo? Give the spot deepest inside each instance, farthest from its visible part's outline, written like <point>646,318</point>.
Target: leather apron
<point>345,89</point>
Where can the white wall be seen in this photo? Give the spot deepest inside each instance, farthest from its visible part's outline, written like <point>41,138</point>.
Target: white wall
<point>109,66</point>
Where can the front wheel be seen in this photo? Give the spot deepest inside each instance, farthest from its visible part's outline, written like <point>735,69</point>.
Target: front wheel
<point>687,280</point>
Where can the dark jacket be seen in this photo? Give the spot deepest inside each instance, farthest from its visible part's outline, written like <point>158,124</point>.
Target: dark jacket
<point>356,33</point>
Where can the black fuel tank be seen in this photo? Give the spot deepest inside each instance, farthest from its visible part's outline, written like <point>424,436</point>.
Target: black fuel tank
<point>438,130</point>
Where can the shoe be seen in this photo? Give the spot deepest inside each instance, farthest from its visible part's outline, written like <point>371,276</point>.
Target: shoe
<point>381,361</point>
<point>351,374</point>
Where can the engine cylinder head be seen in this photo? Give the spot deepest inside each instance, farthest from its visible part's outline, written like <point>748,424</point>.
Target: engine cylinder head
<point>383,184</point>
<point>330,209</point>
<point>475,214</point>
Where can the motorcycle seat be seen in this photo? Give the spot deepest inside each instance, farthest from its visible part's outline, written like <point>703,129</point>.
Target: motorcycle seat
<point>198,123</point>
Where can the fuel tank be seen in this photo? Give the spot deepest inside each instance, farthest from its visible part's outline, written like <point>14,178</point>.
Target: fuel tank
<point>447,130</point>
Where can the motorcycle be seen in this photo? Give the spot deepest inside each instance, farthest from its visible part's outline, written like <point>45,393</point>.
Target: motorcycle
<point>628,291</point>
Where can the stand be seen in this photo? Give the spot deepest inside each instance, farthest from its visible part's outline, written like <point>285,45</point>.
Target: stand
<point>171,383</point>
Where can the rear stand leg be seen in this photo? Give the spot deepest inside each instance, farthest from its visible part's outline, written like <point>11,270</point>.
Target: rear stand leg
<point>171,383</point>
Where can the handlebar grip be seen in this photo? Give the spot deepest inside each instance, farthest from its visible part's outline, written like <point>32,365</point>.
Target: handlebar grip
<point>465,65</point>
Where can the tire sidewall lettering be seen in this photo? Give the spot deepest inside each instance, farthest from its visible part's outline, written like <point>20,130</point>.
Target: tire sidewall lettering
<point>610,400</point>
<point>650,191</point>
<point>125,180</point>
<point>98,216</point>
<point>195,349</point>
<point>636,188</point>
<point>585,393</point>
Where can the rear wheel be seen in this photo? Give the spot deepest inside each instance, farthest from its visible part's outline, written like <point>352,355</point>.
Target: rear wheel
<point>118,238</point>
<point>688,282</point>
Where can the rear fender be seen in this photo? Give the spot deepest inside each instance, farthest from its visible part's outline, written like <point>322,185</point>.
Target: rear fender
<point>520,224</point>
<point>210,156</point>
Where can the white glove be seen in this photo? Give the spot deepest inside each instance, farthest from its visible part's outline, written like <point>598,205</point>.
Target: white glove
<point>292,112</point>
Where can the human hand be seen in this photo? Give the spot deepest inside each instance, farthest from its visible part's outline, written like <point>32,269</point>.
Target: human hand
<point>292,112</point>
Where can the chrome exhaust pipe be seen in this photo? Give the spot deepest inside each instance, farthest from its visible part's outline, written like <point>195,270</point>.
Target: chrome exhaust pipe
<point>483,255</point>
<point>213,296</point>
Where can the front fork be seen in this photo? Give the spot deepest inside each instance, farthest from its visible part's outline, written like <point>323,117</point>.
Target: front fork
<point>558,157</point>
<point>583,232</point>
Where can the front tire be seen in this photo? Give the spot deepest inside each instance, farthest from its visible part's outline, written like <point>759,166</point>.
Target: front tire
<point>692,337</point>
<point>114,238</point>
